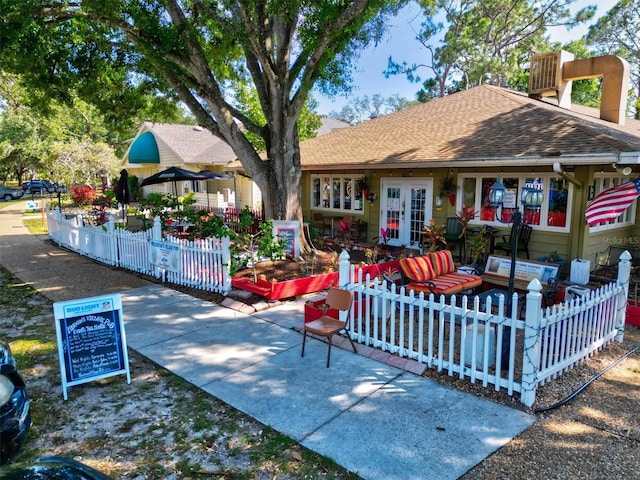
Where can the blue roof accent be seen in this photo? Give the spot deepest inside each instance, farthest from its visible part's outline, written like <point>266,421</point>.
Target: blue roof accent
<point>144,149</point>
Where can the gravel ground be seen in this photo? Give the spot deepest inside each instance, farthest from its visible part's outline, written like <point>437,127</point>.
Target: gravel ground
<point>596,435</point>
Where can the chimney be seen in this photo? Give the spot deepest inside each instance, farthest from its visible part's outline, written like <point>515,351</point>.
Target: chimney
<point>551,74</point>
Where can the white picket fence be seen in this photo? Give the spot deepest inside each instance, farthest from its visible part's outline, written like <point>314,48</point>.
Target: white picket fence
<point>204,264</point>
<point>457,337</point>
<point>490,345</point>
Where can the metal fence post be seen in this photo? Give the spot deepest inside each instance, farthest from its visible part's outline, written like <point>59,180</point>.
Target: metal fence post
<point>624,273</point>
<point>531,348</point>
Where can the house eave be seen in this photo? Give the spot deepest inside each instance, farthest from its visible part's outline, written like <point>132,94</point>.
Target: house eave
<point>528,160</point>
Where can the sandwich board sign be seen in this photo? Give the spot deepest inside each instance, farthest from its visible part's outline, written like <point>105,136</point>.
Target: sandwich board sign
<point>91,340</point>
<point>289,231</point>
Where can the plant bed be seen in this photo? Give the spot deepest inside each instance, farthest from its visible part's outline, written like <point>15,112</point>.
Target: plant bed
<point>277,290</point>
<point>289,278</point>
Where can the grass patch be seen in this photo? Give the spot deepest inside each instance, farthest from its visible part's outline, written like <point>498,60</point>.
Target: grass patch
<point>36,226</point>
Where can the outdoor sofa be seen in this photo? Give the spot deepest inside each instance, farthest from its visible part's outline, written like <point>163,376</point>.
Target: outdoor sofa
<point>436,273</point>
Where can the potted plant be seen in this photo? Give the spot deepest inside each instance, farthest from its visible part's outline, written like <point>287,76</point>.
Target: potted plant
<point>448,188</point>
<point>363,188</point>
<point>463,217</point>
<point>553,257</point>
<point>433,235</point>
<point>478,244</point>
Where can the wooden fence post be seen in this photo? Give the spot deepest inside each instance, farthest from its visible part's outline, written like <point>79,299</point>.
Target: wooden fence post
<point>344,272</point>
<point>531,348</point>
<point>624,272</point>
<point>225,243</point>
<point>113,244</point>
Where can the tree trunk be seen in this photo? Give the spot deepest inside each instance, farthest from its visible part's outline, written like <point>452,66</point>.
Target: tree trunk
<point>282,188</point>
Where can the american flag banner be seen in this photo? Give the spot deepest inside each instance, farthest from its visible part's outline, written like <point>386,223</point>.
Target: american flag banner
<point>609,204</point>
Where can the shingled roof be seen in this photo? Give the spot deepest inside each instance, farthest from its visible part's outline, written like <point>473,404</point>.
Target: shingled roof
<point>484,125</point>
<point>193,144</point>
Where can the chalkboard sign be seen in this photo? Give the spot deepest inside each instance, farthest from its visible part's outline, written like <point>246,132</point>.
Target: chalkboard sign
<point>91,340</point>
<point>290,233</point>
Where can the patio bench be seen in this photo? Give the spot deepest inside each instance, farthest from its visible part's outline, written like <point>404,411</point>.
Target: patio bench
<point>436,273</point>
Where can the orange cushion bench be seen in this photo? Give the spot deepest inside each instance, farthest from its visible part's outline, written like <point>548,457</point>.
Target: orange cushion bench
<point>436,273</point>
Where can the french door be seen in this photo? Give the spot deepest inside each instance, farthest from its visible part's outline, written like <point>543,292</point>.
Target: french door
<point>405,207</point>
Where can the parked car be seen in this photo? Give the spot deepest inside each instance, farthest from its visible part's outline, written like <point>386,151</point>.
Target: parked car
<point>54,468</point>
<point>59,188</point>
<point>38,186</point>
<point>8,193</point>
<point>15,413</point>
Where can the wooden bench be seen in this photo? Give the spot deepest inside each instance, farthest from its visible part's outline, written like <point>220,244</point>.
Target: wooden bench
<point>498,270</point>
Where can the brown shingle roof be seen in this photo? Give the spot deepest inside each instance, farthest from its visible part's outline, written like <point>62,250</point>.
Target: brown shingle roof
<point>195,145</point>
<point>483,123</point>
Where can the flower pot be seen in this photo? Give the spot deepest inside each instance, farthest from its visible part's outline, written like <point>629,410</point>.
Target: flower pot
<point>452,198</point>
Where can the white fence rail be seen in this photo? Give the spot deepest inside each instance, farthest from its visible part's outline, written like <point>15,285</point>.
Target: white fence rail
<point>506,349</point>
<point>490,345</point>
<point>204,264</point>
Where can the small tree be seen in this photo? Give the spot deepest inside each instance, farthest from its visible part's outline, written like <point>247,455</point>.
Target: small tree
<point>258,245</point>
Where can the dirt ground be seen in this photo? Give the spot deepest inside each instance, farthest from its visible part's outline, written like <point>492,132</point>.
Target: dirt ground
<point>321,261</point>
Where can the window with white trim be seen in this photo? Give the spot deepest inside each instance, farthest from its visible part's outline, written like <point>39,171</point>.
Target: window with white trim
<point>337,192</point>
<point>553,215</point>
<point>602,182</point>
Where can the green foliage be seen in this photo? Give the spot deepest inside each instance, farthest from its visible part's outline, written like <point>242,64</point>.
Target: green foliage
<point>113,53</point>
<point>64,142</point>
<point>484,41</point>
<point>617,32</point>
<point>158,205</point>
<point>252,247</point>
<point>478,246</point>
<point>81,162</point>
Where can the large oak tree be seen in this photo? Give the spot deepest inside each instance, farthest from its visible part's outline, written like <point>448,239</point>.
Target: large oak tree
<point>204,51</point>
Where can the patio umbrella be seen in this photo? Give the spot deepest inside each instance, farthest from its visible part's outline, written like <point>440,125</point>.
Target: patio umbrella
<point>172,174</point>
<point>211,175</point>
<point>123,193</point>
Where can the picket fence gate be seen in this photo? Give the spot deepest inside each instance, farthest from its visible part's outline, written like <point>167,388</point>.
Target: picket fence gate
<point>493,346</point>
<point>204,263</point>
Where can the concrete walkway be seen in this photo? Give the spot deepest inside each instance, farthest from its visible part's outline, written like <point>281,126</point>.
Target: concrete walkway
<point>372,418</point>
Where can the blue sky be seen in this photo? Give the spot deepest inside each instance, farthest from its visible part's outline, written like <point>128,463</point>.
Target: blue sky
<point>400,43</point>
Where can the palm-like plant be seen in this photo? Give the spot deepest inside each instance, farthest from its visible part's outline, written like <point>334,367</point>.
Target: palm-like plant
<point>464,216</point>
<point>433,234</point>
